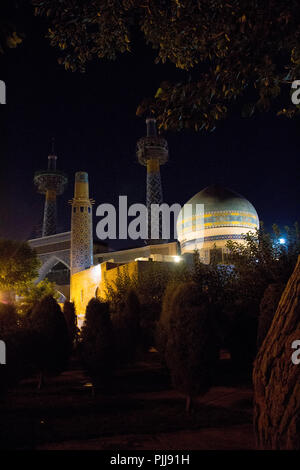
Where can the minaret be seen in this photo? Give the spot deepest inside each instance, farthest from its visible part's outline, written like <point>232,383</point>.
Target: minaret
<point>81,225</point>
<point>152,152</point>
<point>51,183</point>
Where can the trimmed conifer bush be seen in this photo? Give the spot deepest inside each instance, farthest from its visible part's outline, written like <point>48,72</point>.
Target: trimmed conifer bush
<point>97,345</point>
<point>162,326</point>
<point>192,348</point>
<point>50,338</point>
<point>17,347</point>
<point>71,321</point>
<point>127,329</point>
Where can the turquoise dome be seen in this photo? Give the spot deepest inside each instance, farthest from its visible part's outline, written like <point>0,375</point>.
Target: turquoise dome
<point>217,198</point>
<point>224,215</point>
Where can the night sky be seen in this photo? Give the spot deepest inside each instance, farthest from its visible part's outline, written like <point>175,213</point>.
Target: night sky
<point>92,117</point>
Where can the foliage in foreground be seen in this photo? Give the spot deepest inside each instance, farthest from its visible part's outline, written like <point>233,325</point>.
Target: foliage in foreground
<point>32,293</point>
<point>19,265</point>
<point>71,321</point>
<point>276,377</point>
<point>126,327</point>
<point>263,260</point>
<point>149,286</point>
<point>18,345</point>
<point>238,54</point>
<point>267,310</point>
<point>97,344</point>
<point>191,350</point>
<point>50,338</point>
<point>10,15</point>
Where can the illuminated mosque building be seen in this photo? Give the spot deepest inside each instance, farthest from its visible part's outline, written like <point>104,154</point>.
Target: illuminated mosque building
<point>81,267</point>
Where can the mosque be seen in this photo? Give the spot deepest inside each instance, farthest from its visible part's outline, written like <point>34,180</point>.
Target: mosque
<point>81,267</point>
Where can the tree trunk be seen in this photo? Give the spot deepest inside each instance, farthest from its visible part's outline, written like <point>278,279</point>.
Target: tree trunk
<point>276,379</point>
<point>188,403</point>
<point>41,381</point>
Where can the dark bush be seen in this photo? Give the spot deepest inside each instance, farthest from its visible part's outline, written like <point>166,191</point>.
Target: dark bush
<point>71,321</point>
<point>51,343</point>
<point>241,339</point>
<point>267,310</point>
<point>97,344</point>
<point>17,340</point>
<point>192,349</point>
<point>162,326</point>
<point>127,331</point>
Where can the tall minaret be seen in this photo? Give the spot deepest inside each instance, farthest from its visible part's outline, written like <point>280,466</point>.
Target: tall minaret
<point>152,151</point>
<point>51,183</point>
<point>81,225</point>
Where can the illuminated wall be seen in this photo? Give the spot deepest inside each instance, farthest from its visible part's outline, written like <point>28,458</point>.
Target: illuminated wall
<point>83,288</point>
<point>92,282</point>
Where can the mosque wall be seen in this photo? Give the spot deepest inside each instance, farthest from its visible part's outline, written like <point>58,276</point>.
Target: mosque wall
<point>93,282</point>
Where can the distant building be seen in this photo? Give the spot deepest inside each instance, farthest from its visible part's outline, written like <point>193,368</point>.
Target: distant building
<point>80,267</point>
<point>226,216</point>
<point>54,252</point>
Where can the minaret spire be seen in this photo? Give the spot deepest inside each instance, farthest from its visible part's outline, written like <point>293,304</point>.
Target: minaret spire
<point>152,152</point>
<point>51,183</point>
<point>81,225</point>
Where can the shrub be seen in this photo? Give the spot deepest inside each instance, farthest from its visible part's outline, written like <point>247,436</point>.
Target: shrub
<point>267,309</point>
<point>17,341</point>
<point>71,321</point>
<point>192,348</point>
<point>149,286</point>
<point>50,338</point>
<point>162,326</point>
<point>97,345</point>
<point>241,339</point>
<point>126,326</point>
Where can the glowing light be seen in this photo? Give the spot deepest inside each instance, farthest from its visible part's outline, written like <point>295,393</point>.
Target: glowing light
<point>177,259</point>
<point>282,241</point>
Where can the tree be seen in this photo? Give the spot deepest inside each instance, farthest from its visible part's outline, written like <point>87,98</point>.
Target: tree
<point>162,326</point>
<point>267,309</point>
<point>51,343</point>
<point>18,265</point>
<point>263,260</point>
<point>10,13</point>
<point>276,378</point>
<point>71,321</point>
<point>17,341</point>
<point>126,325</point>
<point>241,340</point>
<point>149,285</point>
<point>97,345</point>
<point>236,54</point>
<point>218,282</point>
<point>192,347</point>
<point>31,293</point>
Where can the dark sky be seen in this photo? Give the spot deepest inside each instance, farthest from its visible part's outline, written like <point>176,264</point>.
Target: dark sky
<point>92,117</point>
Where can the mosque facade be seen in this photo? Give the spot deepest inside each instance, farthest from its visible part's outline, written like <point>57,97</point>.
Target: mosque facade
<point>82,268</point>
